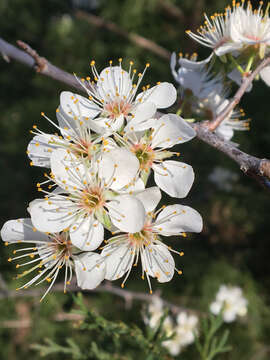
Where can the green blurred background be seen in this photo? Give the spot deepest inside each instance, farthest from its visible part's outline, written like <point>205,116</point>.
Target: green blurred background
<point>232,248</point>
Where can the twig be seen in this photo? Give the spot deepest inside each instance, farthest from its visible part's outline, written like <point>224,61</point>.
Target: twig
<point>259,169</point>
<point>172,10</point>
<point>247,80</point>
<point>250,165</point>
<point>127,295</point>
<point>30,57</point>
<point>135,38</point>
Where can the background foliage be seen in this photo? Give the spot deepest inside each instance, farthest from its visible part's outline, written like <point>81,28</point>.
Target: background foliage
<point>232,247</point>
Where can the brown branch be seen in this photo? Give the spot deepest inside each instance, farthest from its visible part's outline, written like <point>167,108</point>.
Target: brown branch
<point>247,80</point>
<point>127,295</point>
<point>30,58</point>
<point>259,169</point>
<point>135,38</point>
<point>172,10</point>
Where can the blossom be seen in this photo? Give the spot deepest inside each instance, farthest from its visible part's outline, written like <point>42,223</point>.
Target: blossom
<point>112,101</point>
<point>235,30</point>
<point>155,311</point>
<point>250,27</point>
<point>123,251</point>
<point>212,106</point>
<point>230,302</point>
<point>46,254</point>
<point>76,137</point>
<point>195,76</point>
<point>184,332</point>
<point>84,201</point>
<point>216,33</point>
<point>173,177</point>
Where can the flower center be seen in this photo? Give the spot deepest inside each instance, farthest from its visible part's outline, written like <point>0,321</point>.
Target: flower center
<point>117,108</point>
<point>145,154</point>
<point>83,149</point>
<point>92,199</point>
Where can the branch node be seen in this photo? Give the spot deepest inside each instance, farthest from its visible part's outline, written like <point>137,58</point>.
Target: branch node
<point>265,168</point>
<point>40,62</point>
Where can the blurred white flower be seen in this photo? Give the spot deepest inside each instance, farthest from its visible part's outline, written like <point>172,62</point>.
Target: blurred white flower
<point>230,302</point>
<point>223,178</point>
<point>185,331</point>
<point>155,311</point>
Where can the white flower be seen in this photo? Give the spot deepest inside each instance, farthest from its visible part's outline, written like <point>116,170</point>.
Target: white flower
<point>75,137</point>
<point>216,33</point>
<point>249,27</point>
<point>123,251</point>
<point>112,100</point>
<point>187,326</point>
<point>46,254</point>
<point>212,106</point>
<point>231,302</point>
<point>185,330</point>
<point>155,312</point>
<point>195,76</point>
<point>235,30</point>
<point>173,177</point>
<point>85,202</point>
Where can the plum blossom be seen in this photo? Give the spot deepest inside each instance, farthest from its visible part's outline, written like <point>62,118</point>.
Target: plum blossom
<point>185,331</point>
<point>75,137</point>
<point>84,202</point>
<point>46,254</point>
<point>123,251</point>
<point>112,101</point>
<point>235,30</point>
<point>173,177</point>
<point>195,76</point>
<point>230,302</point>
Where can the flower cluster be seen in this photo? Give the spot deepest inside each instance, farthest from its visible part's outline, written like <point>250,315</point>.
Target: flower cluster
<point>206,94</point>
<point>239,38</point>
<point>183,330</point>
<point>230,302</point>
<point>99,162</point>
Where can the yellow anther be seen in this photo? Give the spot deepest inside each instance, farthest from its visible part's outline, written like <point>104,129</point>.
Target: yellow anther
<point>92,63</point>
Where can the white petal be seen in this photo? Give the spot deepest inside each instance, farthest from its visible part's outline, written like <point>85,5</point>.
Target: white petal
<point>227,48</point>
<point>162,95</point>
<point>75,105</point>
<point>68,171</point>
<point>229,316</point>
<point>225,131</point>
<point>87,234</point>
<point>21,229</point>
<point>170,130</point>
<point>150,198</point>
<point>89,269</point>
<point>174,177</point>
<point>115,80</point>
<point>40,149</point>
<point>195,65</point>
<point>106,126</point>
<point>142,112</point>
<point>158,262</point>
<point>119,164</point>
<point>215,307</point>
<point>178,219</point>
<point>265,75</point>
<point>127,213</point>
<point>236,76</point>
<point>118,259</point>
<point>50,216</point>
